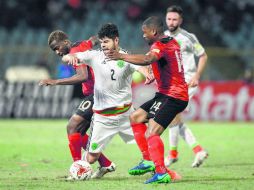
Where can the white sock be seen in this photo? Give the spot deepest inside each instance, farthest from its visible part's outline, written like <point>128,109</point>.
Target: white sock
<point>187,135</point>
<point>173,137</point>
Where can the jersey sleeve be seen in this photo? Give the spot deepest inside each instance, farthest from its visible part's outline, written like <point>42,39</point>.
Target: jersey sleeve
<point>198,49</point>
<point>134,68</point>
<point>86,57</point>
<point>156,50</point>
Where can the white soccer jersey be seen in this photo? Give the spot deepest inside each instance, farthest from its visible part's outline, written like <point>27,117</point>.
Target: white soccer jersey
<point>113,79</point>
<point>190,47</point>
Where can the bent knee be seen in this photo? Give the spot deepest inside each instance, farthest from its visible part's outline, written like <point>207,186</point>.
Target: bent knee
<point>74,123</point>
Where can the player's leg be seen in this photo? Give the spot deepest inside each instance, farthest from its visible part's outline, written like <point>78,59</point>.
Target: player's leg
<point>77,128</point>
<point>156,150</point>
<point>100,136</point>
<point>138,119</point>
<point>127,134</point>
<point>164,111</point>
<point>188,136</point>
<point>75,137</point>
<point>78,125</point>
<point>173,141</point>
<point>200,153</point>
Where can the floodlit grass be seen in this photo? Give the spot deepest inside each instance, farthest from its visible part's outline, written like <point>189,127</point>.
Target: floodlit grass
<point>34,154</point>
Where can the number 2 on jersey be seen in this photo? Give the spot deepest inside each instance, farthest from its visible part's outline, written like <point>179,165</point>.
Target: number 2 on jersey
<point>112,74</point>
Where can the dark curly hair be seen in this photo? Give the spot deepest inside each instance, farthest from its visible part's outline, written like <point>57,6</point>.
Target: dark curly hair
<point>108,30</point>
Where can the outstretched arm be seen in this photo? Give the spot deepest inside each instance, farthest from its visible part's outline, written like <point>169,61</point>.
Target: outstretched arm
<point>80,76</point>
<point>136,59</point>
<point>94,40</point>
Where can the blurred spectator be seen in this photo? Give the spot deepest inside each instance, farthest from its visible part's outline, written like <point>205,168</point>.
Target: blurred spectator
<point>75,4</point>
<point>133,12</point>
<point>55,9</point>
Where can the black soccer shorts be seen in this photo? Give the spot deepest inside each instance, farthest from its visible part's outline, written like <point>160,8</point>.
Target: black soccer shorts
<point>85,108</point>
<point>163,108</point>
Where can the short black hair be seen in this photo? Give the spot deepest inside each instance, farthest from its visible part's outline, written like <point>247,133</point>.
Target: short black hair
<point>108,30</point>
<point>176,9</point>
<point>57,36</point>
<point>155,22</point>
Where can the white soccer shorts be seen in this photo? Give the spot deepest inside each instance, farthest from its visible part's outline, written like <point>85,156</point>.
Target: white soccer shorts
<point>104,128</point>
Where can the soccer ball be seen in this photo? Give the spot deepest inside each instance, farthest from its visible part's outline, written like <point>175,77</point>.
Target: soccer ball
<point>137,77</point>
<point>81,170</point>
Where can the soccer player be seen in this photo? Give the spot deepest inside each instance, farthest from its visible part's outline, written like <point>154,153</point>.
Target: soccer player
<point>80,121</point>
<point>112,92</point>
<point>190,47</point>
<point>172,98</point>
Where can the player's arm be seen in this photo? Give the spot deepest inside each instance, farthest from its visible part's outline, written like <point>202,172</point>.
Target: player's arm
<point>80,76</point>
<point>94,40</point>
<point>136,59</point>
<point>79,58</point>
<point>201,66</point>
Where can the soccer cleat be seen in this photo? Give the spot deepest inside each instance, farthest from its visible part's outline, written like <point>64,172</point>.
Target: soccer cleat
<point>69,178</point>
<point>169,161</point>
<point>143,167</point>
<point>174,175</point>
<point>101,171</point>
<point>159,178</point>
<point>199,158</point>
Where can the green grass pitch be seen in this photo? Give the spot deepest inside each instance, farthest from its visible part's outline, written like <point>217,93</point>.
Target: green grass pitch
<point>34,154</point>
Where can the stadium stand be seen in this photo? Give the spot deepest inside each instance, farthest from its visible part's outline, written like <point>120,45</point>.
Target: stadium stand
<point>226,24</point>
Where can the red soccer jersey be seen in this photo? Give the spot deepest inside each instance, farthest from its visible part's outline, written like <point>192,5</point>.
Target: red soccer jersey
<point>168,70</point>
<point>87,86</point>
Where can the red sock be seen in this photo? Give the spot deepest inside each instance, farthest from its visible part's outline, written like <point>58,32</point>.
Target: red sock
<point>139,130</point>
<point>173,153</point>
<point>84,140</point>
<point>75,146</point>
<point>104,161</point>
<point>156,150</point>
<point>197,149</point>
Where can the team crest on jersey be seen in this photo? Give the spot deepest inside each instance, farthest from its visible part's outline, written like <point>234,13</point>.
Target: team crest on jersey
<point>94,146</point>
<point>120,63</point>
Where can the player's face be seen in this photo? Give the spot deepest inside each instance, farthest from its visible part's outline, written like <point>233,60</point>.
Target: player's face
<point>148,34</point>
<point>61,48</point>
<point>109,44</point>
<point>173,20</point>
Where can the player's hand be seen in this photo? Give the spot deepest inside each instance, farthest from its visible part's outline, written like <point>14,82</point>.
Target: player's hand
<point>194,81</point>
<point>149,78</point>
<point>70,59</point>
<point>47,82</point>
<point>112,54</point>
<point>95,40</point>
